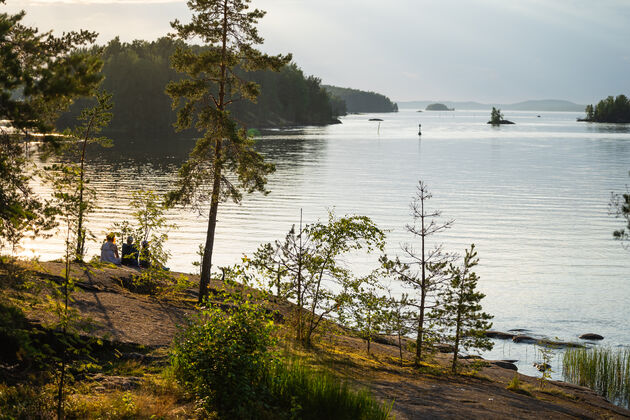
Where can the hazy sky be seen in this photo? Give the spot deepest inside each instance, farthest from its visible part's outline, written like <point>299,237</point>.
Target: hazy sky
<point>482,50</point>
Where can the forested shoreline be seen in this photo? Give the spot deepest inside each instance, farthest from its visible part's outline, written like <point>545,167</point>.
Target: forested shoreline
<point>361,101</point>
<point>136,74</point>
<point>609,110</point>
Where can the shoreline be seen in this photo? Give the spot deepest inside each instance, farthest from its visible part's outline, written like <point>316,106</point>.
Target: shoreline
<point>152,322</point>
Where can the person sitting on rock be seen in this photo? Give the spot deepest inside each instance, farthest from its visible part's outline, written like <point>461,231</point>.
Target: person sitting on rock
<point>129,253</point>
<point>109,250</point>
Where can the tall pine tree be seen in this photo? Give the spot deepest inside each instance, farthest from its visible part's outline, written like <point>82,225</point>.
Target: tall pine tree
<point>223,162</point>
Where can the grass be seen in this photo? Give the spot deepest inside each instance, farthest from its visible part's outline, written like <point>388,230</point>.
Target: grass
<point>604,370</point>
<point>315,394</point>
<point>516,386</point>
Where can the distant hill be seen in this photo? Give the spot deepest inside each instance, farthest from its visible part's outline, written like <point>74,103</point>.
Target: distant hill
<point>360,100</point>
<point>534,105</point>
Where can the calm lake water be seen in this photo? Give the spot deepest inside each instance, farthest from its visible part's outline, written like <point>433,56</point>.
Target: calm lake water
<point>533,197</point>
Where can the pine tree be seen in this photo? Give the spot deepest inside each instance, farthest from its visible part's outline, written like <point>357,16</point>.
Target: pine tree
<point>225,153</point>
<point>459,314</point>
<point>421,270</point>
<point>40,75</point>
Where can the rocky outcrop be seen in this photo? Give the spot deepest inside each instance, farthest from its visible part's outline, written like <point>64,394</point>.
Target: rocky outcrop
<point>505,364</point>
<point>591,336</point>
<point>501,122</point>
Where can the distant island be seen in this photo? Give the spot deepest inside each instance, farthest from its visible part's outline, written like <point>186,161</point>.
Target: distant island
<point>544,105</point>
<point>609,110</point>
<point>496,117</point>
<point>360,101</point>
<point>438,107</point>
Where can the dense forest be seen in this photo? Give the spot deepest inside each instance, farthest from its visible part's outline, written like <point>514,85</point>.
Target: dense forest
<point>361,101</point>
<point>136,74</point>
<point>609,110</point>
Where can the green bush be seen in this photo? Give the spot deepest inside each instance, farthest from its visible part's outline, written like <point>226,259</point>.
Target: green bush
<point>223,358</point>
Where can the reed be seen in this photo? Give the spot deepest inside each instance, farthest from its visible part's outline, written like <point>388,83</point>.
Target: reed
<point>315,394</point>
<point>604,370</point>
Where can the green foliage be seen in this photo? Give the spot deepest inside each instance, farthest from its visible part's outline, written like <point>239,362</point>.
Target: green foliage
<point>150,226</point>
<point>305,393</point>
<point>496,116</point>
<point>307,266</point>
<point>39,77</point>
<point>364,310</point>
<point>459,313</point>
<point>24,401</point>
<point>354,100</point>
<point>137,72</point>
<point>422,270</point>
<point>72,192</point>
<point>604,370</point>
<point>224,358</point>
<point>399,321</point>
<point>19,340</point>
<point>93,121</point>
<point>610,110</point>
<point>516,386</point>
<point>223,162</point>
<point>546,354</point>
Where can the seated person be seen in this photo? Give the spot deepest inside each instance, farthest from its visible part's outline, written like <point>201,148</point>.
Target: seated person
<point>109,250</point>
<point>129,253</point>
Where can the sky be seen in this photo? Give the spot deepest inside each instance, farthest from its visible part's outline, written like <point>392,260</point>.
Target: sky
<point>491,51</point>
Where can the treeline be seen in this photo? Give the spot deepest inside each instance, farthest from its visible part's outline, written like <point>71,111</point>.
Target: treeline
<point>361,101</point>
<point>136,74</point>
<point>610,110</point>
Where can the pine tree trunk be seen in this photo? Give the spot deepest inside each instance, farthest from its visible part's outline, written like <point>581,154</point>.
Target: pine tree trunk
<point>206,266</point>
<point>423,294</point>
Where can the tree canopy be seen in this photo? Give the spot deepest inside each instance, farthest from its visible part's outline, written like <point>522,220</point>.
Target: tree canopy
<point>137,72</point>
<point>40,75</point>
<point>223,162</point>
<point>610,110</point>
<point>360,100</point>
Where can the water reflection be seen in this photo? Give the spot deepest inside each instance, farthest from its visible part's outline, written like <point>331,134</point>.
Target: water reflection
<point>532,197</point>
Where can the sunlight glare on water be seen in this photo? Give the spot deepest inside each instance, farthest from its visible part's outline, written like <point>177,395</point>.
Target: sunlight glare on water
<point>533,197</point>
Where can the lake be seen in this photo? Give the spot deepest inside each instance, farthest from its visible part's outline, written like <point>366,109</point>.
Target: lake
<point>533,197</point>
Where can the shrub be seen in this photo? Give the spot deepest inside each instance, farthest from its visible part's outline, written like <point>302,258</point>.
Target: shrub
<point>224,358</point>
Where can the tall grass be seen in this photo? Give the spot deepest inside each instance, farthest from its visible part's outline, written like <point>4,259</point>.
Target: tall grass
<point>312,394</point>
<point>604,370</point>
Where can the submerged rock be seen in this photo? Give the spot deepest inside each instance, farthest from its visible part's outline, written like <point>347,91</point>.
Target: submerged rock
<point>542,367</point>
<point>559,344</point>
<point>524,339</point>
<point>499,334</point>
<point>505,364</point>
<point>591,336</point>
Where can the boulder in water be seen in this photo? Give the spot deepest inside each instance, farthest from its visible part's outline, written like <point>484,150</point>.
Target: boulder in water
<point>591,336</point>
